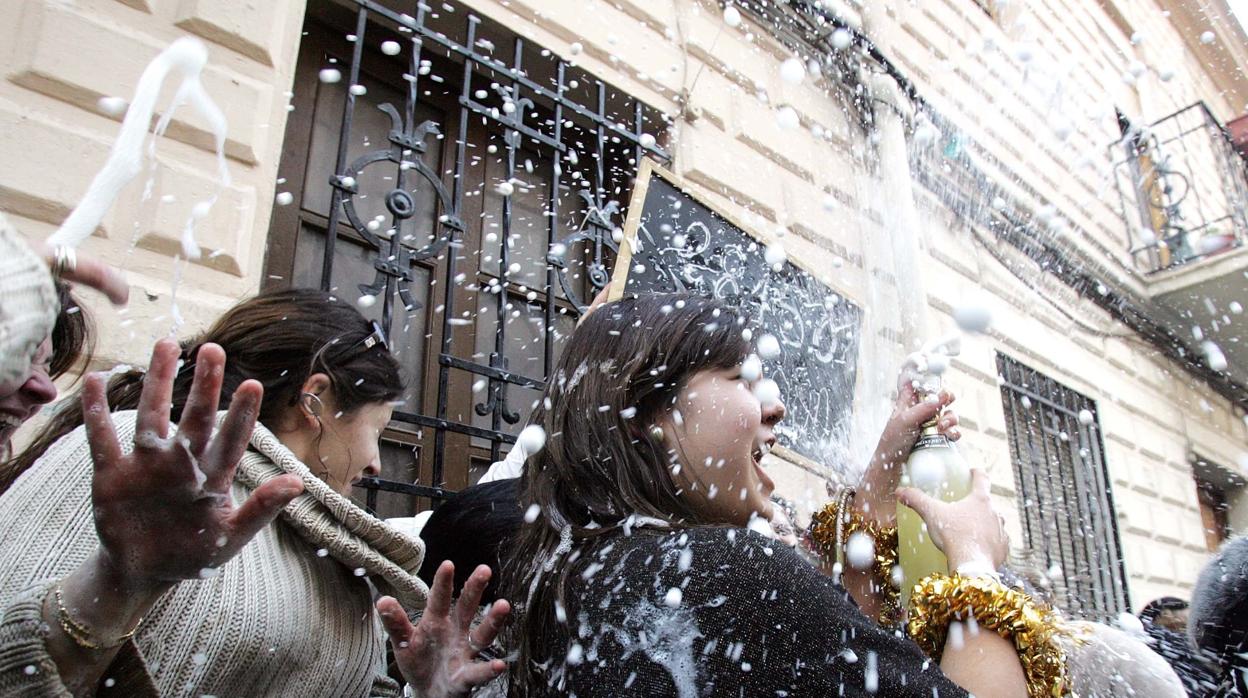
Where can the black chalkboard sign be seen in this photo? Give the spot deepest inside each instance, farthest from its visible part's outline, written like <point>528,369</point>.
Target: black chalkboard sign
<point>674,241</point>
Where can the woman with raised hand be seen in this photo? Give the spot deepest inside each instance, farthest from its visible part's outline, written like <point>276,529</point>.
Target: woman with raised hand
<point>140,559</point>
<point>637,574</point>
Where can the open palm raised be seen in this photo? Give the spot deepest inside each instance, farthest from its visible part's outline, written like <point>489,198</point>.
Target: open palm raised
<point>163,512</point>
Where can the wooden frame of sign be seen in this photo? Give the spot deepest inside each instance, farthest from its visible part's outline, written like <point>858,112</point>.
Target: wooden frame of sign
<point>647,173</point>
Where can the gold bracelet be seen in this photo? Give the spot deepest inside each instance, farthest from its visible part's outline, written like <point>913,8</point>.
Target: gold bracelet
<point>825,526</point>
<point>81,634</point>
<point>830,529</point>
<point>938,600</point>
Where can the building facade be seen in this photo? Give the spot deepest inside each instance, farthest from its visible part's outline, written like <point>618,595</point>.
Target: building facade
<point>929,156</point>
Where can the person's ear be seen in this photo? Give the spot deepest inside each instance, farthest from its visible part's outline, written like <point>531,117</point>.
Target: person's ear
<point>314,398</point>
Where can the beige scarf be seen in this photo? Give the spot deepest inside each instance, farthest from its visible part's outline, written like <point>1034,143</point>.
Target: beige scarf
<point>329,520</point>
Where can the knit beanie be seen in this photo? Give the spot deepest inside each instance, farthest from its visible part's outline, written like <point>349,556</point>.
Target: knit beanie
<point>28,304</point>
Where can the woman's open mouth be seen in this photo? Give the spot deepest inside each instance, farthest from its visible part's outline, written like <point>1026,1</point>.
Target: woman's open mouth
<point>757,456</point>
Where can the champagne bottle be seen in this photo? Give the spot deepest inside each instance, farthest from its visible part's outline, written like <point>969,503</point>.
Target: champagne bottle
<point>936,468</point>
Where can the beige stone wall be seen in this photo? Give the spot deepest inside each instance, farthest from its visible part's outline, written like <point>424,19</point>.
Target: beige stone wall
<point>60,57</point>
<point>815,185</point>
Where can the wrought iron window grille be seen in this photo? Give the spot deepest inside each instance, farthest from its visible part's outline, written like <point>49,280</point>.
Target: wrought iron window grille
<point>537,102</point>
<point>1063,490</point>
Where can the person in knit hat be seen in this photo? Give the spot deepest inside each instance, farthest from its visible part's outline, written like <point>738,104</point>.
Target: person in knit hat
<point>43,333</point>
<point>29,308</point>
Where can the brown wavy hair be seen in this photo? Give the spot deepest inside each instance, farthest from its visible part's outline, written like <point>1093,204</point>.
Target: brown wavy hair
<point>621,370</point>
<point>73,335</point>
<point>279,338</point>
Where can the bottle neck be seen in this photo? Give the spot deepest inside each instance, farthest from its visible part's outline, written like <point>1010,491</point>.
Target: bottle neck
<point>930,427</point>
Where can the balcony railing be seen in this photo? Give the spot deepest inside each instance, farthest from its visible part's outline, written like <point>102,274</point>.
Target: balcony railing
<point>1182,188</point>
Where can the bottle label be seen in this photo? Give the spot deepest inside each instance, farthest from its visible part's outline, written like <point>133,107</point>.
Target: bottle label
<point>931,441</point>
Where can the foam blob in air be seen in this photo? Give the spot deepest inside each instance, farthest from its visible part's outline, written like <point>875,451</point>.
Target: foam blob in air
<point>767,392</point>
<point>793,71</point>
<point>532,438</point>
<point>113,106</point>
<point>775,256</point>
<point>860,551</point>
<point>787,117</point>
<point>768,347</point>
<point>972,317</point>
<point>1213,355</point>
<point>673,597</point>
<point>841,39</point>
<point>752,368</point>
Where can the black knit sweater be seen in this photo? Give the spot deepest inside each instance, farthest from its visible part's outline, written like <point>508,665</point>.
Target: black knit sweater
<point>722,612</point>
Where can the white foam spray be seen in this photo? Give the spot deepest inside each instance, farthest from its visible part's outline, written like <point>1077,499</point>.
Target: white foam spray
<point>186,56</point>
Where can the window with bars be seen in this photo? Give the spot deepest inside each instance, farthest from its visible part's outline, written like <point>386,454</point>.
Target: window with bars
<point>1063,490</point>
<point>464,183</point>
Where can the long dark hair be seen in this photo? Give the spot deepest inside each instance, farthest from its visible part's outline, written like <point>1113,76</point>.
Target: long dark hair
<point>619,373</point>
<point>73,335</point>
<point>279,338</point>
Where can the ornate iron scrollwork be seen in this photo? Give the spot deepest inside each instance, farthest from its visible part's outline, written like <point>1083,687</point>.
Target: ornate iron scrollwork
<point>393,258</point>
<point>597,229</point>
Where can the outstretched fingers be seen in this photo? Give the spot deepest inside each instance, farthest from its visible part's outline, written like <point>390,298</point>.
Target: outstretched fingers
<point>101,436</point>
<point>476,673</point>
<point>398,626</point>
<point>470,597</point>
<point>199,415</point>
<point>264,504</point>
<point>154,402</point>
<point>980,484</point>
<point>438,607</point>
<point>226,449</point>
<point>483,635</point>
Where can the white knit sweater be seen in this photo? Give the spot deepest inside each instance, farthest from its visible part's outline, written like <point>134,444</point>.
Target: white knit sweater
<point>278,620</point>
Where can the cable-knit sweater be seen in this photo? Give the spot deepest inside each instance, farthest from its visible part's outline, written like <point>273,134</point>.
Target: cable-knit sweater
<point>291,614</point>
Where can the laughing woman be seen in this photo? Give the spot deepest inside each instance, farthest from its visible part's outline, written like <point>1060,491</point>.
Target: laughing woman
<point>637,574</point>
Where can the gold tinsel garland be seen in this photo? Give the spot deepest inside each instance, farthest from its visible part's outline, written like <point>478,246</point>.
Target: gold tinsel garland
<point>939,599</point>
<point>830,529</point>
